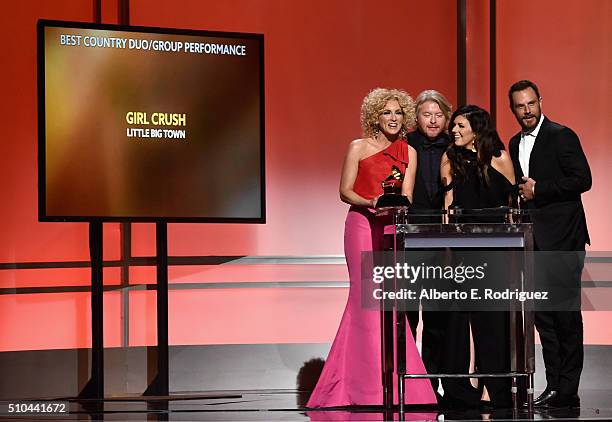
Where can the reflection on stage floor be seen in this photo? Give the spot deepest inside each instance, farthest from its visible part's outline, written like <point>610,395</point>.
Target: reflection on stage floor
<point>287,405</point>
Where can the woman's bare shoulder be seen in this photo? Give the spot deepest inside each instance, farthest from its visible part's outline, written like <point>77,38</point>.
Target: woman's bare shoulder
<point>358,147</point>
<point>503,164</point>
<point>503,159</point>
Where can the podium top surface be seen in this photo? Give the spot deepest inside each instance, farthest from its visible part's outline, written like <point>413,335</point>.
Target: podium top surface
<point>467,228</point>
<point>464,235</point>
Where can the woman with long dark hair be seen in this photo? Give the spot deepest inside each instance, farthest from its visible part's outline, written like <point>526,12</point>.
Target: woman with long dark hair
<point>478,173</point>
<point>476,167</point>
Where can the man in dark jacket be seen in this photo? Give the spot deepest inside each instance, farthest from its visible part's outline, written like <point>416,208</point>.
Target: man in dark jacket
<point>553,172</point>
<point>430,140</point>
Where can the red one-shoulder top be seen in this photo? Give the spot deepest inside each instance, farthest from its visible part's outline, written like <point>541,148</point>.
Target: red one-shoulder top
<point>373,170</point>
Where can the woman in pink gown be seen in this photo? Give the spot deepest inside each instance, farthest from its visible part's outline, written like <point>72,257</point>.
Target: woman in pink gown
<point>352,372</point>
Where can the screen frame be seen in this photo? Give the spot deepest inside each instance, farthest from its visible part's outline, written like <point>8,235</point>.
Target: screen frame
<point>41,159</point>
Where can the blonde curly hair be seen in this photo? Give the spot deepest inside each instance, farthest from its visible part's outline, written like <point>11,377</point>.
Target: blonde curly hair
<point>374,104</point>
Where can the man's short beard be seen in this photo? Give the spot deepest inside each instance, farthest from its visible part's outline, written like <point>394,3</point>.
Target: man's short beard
<point>525,127</point>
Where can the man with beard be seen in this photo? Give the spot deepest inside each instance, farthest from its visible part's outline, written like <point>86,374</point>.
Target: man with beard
<point>430,140</point>
<point>549,160</point>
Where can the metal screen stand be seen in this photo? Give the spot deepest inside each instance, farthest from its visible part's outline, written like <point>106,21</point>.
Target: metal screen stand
<point>160,384</point>
<point>94,389</point>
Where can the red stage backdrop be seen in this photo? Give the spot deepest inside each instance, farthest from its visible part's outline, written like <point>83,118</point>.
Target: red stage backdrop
<point>321,58</point>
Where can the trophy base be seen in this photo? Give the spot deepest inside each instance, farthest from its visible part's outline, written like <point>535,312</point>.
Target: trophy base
<point>392,200</point>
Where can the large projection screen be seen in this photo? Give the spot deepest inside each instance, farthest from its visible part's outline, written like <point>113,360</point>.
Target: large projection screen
<point>149,124</point>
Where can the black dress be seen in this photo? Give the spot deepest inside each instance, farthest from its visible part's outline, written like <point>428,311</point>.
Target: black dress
<point>490,329</point>
<point>474,190</point>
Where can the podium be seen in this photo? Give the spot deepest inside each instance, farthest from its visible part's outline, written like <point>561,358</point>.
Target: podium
<point>462,233</point>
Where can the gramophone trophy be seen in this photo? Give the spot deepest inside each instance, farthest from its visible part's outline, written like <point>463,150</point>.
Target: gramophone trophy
<point>392,191</point>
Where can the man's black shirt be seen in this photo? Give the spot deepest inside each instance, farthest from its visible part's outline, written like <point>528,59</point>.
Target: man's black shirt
<point>428,192</point>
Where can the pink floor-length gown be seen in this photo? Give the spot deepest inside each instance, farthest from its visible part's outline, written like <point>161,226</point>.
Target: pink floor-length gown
<point>352,372</point>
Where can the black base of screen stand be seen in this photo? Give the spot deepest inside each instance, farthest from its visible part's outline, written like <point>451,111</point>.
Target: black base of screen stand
<point>95,386</point>
<point>158,355</point>
<point>159,384</point>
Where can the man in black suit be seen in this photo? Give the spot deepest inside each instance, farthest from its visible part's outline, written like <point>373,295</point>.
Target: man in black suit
<point>430,140</point>
<point>554,171</point>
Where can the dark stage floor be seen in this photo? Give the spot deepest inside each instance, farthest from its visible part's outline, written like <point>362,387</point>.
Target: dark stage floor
<point>282,405</point>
